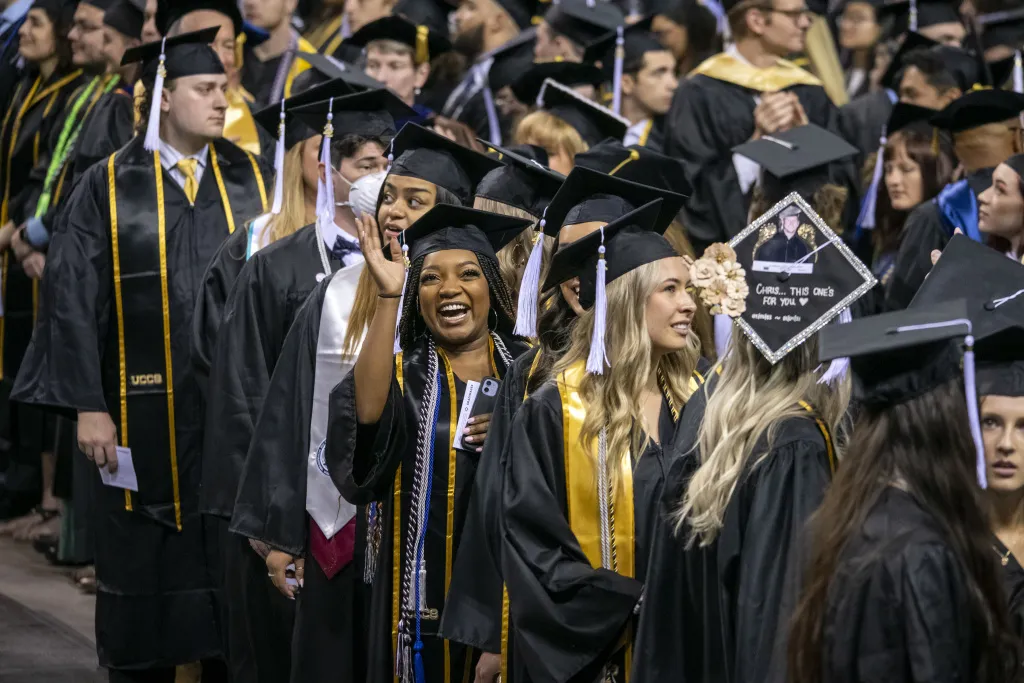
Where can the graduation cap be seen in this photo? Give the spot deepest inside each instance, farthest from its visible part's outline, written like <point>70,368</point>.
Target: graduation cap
<point>1000,361</point>
<point>370,114</point>
<point>422,153</point>
<point>511,60</point>
<point>800,273</point>
<point>425,43</point>
<point>527,84</point>
<point>592,121</point>
<point>61,12</point>
<point>796,160</point>
<point>1002,28</point>
<point>912,42</point>
<point>126,17</point>
<point>625,45</point>
<point>978,108</point>
<point>188,54</point>
<point>966,67</point>
<point>584,21</point>
<point>447,226</point>
<point>168,12</point>
<point>1008,73</point>
<point>902,115</point>
<point>902,355</point>
<point>60,4</point>
<point>637,164</point>
<point>329,68</point>
<point>430,13</point>
<point>521,11</point>
<point>623,245</point>
<point>914,15</point>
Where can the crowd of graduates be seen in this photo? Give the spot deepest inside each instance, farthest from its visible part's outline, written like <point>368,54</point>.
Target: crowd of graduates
<point>516,340</point>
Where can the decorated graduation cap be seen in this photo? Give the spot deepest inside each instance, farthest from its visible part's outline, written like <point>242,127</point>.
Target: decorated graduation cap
<point>899,356</point>
<point>912,42</point>
<point>447,226</point>
<point>327,68</point>
<point>623,245</point>
<point>624,47</point>
<point>592,121</point>
<point>914,15</point>
<point>637,164</point>
<point>168,12</point>
<point>126,17</point>
<point>425,43</point>
<point>978,108</point>
<point>188,54</point>
<point>584,21</point>
<point>797,160</point>
<point>800,274</point>
<point>529,82</point>
<point>588,196</point>
<point>902,115</point>
<point>422,153</point>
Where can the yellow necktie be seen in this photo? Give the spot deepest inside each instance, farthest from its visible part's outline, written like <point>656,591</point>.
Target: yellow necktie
<point>188,168</point>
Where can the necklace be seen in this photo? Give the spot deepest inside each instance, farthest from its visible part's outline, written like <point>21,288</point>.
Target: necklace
<point>1004,558</point>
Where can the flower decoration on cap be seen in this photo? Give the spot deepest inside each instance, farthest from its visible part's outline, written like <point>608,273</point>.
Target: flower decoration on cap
<point>720,281</point>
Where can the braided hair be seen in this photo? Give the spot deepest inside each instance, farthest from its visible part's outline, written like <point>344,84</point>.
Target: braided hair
<point>412,325</point>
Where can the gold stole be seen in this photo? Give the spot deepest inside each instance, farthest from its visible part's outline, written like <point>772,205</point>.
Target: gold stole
<point>726,67</point>
<point>239,125</point>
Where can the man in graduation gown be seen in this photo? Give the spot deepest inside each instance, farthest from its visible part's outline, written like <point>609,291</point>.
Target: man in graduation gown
<point>257,315</point>
<point>743,93</point>
<point>483,29</point>
<point>986,130</point>
<point>269,69</point>
<point>111,342</point>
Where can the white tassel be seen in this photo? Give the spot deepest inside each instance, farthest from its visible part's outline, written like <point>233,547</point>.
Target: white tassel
<point>526,310</point>
<point>913,16</point>
<point>401,299</point>
<point>620,57</point>
<point>1018,73</point>
<point>597,358</point>
<point>325,200</point>
<point>837,369</point>
<point>279,152</point>
<point>152,141</point>
<point>972,410</point>
<point>866,218</point>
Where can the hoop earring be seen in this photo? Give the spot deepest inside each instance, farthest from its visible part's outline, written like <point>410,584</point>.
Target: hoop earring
<point>489,328</point>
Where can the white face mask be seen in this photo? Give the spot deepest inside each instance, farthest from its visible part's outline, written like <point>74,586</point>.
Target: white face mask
<point>363,193</point>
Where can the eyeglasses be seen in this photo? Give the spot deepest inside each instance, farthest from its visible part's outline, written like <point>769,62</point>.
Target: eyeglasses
<point>794,14</point>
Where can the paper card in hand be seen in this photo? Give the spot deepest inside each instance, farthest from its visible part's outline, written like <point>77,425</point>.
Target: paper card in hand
<point>800,275</point>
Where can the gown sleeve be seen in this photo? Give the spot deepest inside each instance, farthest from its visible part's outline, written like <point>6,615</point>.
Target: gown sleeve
<point>922,233</point>
<point>568,616</point>
<point>217,282</point>
<point>62,368</point>
<point>789,486</point>
<point>363,458</point>
<point>472,612</point>
<point>270,505</point>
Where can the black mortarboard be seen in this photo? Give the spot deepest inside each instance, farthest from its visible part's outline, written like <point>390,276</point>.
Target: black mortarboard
<point>588,195</point>
<point>978,108</point>
<point>98,4</point>
<point>126,17</point>
<point>967,68</point>
<point>637,40</point>
<point>447,226</point>
<point>521,11</point>
<point>426,44</point>
<point>523,182</point>
<point>980,275</point>
<point>170,11</point>
<point>796,160</point>
<point>511,60</point>
<point>61,12</point>
<point>1000,361</point>
<point>527,84</point>
<point>637,164</point>
<point>584,21</point>
<point>328,68</point>
<point>422,153</point>
<point>296,129</point>
<point>1003,71</point>
<point>630,241</point>
<point>911,42</point>
<point>592,121</point>
<point>1002,28</point>
<point>430,13</point>
<point>800,274</point>
<point>929,13</point>
<point>904,115</point>
<point>369,114</point>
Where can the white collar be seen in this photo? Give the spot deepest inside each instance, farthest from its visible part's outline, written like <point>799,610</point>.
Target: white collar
<point>332,231</point>
<point>170,157</point>
<point>732,51</point>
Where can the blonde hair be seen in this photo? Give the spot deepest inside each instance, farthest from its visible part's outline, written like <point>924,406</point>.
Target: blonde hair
<point>513,256</point>
<point>394,47</point>
<point>614,399</point>
<point>752,398</point>
<point>364,305</point>
<point>546,130</point>
<point>293,206</point>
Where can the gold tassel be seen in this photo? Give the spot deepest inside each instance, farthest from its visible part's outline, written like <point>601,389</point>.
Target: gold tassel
<point>422,48</point>
<point>821,50</point>
<point>240,50</point>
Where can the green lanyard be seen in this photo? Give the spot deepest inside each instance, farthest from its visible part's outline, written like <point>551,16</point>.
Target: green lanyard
<point>66,141</point>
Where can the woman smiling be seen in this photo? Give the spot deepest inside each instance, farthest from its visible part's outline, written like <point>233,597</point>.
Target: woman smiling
<point>392,430</point>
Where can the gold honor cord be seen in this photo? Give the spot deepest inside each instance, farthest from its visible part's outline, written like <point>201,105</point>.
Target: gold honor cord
<point>396,541</point>
<point>825,433</point>
<point>453,415</point>
<point>647,133</point>
<point>119,305</point>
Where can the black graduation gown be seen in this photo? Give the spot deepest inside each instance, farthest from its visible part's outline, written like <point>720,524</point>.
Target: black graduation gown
<point>707,119</point>
<point>861,121</point>
<point>897,608</point>
<point>720,612</point>
<point>110,126</point>
<point>569,617</point>
<point>377,463</point>
<point>329,640</point>
<point>156,601</point>
<point>926,229</point>
<point>1013,584</point>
